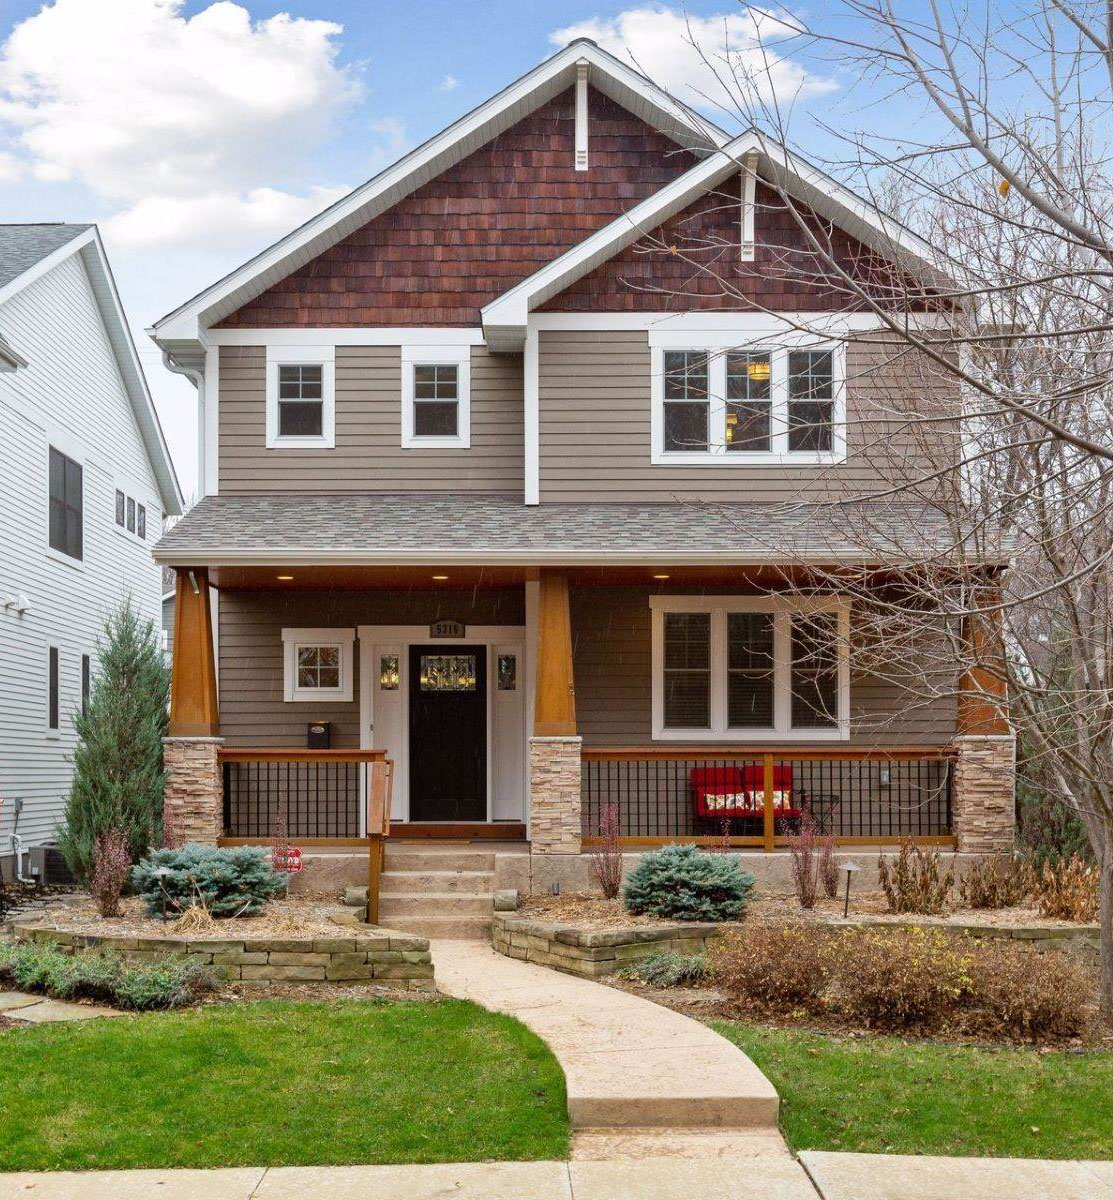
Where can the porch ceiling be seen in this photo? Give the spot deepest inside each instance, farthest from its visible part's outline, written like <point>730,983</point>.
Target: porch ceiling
<point>366,530</point>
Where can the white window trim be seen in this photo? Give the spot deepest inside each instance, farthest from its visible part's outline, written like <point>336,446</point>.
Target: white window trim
<point>290,356</point>
<point>783,609</point>
<point>717,454</point>
<point>293,640</point>
<point>437,356</point>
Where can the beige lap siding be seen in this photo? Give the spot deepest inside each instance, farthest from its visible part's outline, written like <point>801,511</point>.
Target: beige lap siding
<point>252,711</point>
<point>594,395</point>
<point>368,454</point>
<point>611,652</point>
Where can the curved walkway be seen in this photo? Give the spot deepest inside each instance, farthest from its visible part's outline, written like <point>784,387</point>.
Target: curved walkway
<point>628,1063</point>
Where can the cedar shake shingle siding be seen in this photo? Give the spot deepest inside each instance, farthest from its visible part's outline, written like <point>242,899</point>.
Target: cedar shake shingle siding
<point>482,226</point>
<point>704,272</point>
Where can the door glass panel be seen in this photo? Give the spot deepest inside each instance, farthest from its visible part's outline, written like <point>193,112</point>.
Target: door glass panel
<point>388,672</point>
<point>508,672</point>
<point>448,672</point>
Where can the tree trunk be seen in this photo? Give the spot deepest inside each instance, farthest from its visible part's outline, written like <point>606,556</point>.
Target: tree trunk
<point>1106,919</point>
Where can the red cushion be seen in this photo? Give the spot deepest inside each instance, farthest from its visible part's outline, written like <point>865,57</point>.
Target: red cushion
<point>747,781</point>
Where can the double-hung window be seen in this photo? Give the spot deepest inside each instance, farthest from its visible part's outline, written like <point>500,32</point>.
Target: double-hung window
<point>722,405</point>
<point>744,668</point>
<point>67,505</point>
<point>436,397</point>
<point>300,397</point>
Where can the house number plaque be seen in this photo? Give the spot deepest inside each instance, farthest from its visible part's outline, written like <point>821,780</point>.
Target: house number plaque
<point>448,629</point>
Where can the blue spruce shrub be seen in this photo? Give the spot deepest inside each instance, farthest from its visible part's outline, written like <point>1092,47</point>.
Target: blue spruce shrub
<point>232,882</point>
<point>687,884</point>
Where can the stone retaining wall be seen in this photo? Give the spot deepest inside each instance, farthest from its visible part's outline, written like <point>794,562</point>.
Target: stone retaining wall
<point>384,955</point>
<point>1086,938</point>
<point>593,952</point>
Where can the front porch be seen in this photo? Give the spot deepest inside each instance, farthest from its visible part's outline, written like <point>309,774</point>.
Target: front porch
<point>525,705</point>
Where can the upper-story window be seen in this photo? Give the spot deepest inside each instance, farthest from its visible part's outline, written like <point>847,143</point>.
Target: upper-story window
<point>436,409</point>
<point>743,668</point>
<point>67,505</point>
<point>300,397</point>
<point>131,515</point>
<point>726,406</point>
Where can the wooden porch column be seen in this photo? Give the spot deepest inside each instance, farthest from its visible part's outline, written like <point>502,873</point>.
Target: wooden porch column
<point>554,749</point>
<point>194,709</point>
<point>555,707</point>
<point>983,798</point>
<point>193,807</point>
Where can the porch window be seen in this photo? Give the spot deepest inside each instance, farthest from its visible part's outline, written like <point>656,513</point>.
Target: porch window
<point>722,405</point>
<point>317,664</point>
<point>300,397</point>
<point>436,410</point>
<point>747,668</point>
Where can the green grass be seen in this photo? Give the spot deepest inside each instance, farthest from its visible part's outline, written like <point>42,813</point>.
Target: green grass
<point>882,1095</point>
<point>278,1083</point>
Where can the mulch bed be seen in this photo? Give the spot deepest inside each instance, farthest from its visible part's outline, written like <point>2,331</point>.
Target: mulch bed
<point>583,911</point>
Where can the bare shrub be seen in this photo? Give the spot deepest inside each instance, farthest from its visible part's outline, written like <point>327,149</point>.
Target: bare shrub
<point>899,978</point>
<point>829,867</point>
<point>914,884</point>
<point>1027,994</point>
<point>111,864</point>
<point>605,863</point>
<point>1068,891</point>
<point>805,864</point>
<point>773,965</point>
<point>996,881</point>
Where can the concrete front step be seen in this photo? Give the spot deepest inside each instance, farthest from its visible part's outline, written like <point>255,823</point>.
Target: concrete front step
<point>449,858</point>
<point>706,1142</point>
<point>464,929</point>
<point>434,904</point>
<point>475,883</point>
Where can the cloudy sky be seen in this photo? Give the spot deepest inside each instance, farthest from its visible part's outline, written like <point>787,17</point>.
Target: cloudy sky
<point>196,133</point>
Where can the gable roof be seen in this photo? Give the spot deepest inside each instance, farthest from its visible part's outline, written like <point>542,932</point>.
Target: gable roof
<point>504,319</point>
<point>26,253</point>
<point>179,332</point>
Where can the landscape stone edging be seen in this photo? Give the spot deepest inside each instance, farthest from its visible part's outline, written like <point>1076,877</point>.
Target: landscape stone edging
<point>1056,937</point>
<point>594,952</point>
<point>386,955</point>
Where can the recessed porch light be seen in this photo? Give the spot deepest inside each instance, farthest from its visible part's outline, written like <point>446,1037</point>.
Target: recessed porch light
<point>660,577</point>
<point>440,578</point>
<point>284,578</point>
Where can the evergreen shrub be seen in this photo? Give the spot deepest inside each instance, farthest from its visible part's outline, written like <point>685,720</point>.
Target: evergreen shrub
<point>685,883</point>
<point>233,882</point>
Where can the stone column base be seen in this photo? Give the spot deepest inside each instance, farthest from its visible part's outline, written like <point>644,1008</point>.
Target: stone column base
<point>983,802</point>
<point>554,790</point>
<point>194,796</point>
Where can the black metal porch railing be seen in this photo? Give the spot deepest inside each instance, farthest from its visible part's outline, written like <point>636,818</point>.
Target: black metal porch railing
<point>319,792</point>
<point>708,795</point>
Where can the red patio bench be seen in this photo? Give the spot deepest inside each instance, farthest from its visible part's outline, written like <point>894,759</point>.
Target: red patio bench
<point>737,794</point>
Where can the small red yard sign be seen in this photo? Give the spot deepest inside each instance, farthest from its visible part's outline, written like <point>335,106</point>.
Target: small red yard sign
<point>290,861</point>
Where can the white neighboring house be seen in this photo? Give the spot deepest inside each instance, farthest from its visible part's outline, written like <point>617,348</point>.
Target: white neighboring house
<point>85,482</point>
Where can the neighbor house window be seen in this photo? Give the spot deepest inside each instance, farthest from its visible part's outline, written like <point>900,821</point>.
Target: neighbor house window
<point>66,505</point>
<point>131,514</point>
<point>300,397</point>
<point>141,522</point>
<point>86,683</point>
<point>121,504</point>
<point>436,407</point>
<point>728,406</point>
<point>317,664</point>
<point>52,689</point>
<point>743,668</point>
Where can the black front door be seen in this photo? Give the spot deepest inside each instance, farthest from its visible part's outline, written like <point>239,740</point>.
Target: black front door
<point>448,733</point>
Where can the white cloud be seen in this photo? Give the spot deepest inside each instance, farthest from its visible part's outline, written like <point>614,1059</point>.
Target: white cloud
<point>669,46</point>
<point>448,83</point>
<point>182,122</point>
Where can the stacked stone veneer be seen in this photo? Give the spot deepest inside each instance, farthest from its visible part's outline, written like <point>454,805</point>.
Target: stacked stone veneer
<point>594,952</point>
<point>983,802</point>
<point>194,796</point>
<point>396,959</point>
<point>554,789</point>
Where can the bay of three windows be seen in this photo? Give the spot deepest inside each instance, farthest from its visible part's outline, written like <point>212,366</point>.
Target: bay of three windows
<point>740,402</point>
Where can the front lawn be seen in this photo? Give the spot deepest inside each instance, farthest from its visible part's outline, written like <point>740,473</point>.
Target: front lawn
<point>278,1083</point>
<point>883,1095</point>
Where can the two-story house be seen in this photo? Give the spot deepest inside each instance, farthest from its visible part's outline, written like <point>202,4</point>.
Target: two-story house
<point>85,481</point>
<point>499,484</point>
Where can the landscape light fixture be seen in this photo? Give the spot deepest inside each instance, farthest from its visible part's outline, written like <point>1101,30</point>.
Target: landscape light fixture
<point>850,869</point>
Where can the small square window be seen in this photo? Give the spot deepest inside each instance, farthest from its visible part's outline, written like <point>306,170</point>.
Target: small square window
<point>317,664</point>
<point>319,667</point>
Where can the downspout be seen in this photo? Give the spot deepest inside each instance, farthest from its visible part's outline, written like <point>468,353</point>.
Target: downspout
<point>17,850</point>
<point>197,378</point>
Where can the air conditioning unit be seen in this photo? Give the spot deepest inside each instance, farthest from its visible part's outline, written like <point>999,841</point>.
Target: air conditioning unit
<point>47,867</point>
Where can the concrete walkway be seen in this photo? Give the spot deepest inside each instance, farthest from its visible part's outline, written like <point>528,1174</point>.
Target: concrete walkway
<point>629,1064</point>
<point>42,1010</point>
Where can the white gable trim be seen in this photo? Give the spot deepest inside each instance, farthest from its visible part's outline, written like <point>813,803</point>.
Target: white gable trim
<point>189,322</point>
<point>504,319</point>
